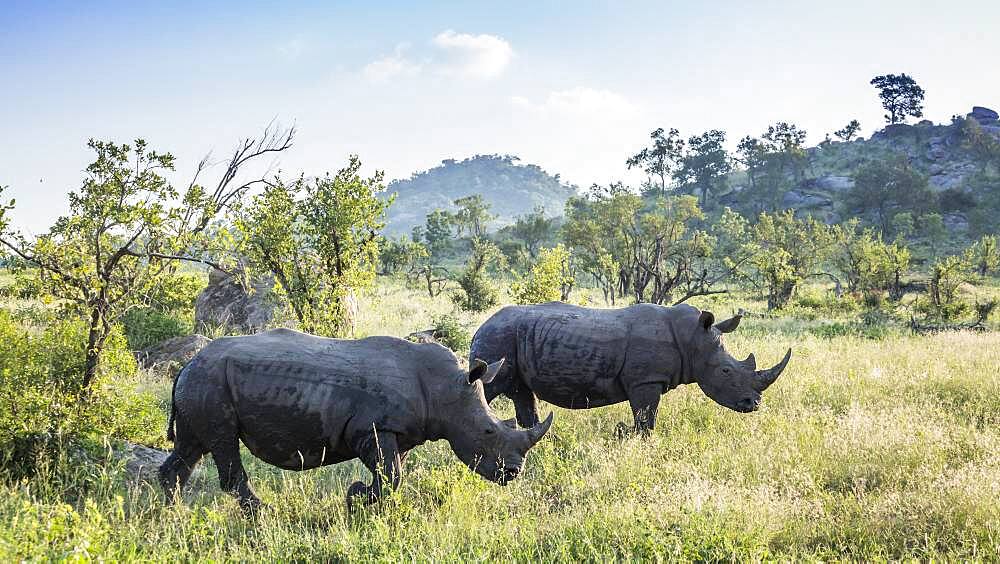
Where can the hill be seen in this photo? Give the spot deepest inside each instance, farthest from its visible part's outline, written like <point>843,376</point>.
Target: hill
<point>511,189</point>
<point>962,180</point>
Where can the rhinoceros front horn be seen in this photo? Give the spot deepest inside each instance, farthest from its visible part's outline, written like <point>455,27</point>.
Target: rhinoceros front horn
<point>538,431</point>
<point>767,377</point>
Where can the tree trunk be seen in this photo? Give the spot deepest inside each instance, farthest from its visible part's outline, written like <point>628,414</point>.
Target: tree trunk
<point>95,344</point>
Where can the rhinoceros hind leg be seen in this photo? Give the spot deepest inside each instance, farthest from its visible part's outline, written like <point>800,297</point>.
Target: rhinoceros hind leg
<point>233,478</point>
<point>177,468</point>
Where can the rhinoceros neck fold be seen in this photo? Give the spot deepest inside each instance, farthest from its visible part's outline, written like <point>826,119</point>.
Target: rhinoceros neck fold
<point>685,375</point>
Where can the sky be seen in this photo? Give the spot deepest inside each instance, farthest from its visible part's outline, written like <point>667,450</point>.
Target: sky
<point>574,87</point>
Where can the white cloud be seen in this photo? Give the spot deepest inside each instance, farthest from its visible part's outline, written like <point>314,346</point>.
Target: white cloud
<point>473,56</point>
<point>580,101</point>
<point>292,48</point>
<point>392,66</point>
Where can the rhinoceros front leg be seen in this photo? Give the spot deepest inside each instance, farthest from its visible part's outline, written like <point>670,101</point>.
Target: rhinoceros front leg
<point>380,453</point>
<point>525,405</point>
<point>644,401</point>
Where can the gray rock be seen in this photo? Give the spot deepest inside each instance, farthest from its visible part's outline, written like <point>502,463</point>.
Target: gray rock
<point>800,199</point>
<point>170,355</point>
<point>225,303</point>
<point>925,123</point>
<point>141,462</point>
<point>835,183</point>
<point>955,222</point>
<point>983,115</point>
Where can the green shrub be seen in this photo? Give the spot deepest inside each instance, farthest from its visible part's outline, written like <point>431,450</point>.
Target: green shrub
<point>43,407</point>
<point>145,327</point>
<point>451,332</point>
<point>477,293</point>
<point>549,280</point>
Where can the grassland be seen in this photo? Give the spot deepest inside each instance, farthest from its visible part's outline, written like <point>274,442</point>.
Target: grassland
<point>866,449</point>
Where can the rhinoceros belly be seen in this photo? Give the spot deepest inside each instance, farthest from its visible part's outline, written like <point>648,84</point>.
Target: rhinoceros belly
<point>294,425</point>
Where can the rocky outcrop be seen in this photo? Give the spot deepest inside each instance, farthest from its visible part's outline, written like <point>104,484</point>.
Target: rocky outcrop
<point>170,355</point>
<point>984,116</point>
<point>226,303</point>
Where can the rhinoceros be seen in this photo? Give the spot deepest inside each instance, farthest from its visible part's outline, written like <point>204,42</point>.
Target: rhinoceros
<point>298,402</point>
<point>579,358</point>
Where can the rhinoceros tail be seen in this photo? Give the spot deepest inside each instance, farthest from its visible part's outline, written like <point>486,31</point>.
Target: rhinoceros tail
<point>171,421</point>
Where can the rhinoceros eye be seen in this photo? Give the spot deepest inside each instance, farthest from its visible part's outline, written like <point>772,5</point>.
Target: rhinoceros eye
<point>725,370</point>
<point>490,431</point>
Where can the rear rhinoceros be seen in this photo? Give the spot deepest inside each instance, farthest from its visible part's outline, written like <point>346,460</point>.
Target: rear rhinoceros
<point>298,402</point>
<point>580,358</point>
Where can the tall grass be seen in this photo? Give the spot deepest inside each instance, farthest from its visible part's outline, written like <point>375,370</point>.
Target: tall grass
<point>866,449</point>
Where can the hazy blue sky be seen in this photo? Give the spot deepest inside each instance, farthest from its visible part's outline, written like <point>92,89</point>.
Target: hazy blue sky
<point>574,87</point>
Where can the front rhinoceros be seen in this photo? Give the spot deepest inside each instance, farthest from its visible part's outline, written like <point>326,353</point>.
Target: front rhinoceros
<point>580,358</point>
<point>298,402</point>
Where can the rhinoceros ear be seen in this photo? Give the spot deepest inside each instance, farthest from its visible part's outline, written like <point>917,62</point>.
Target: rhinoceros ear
<point>729,325</point>
<point>706,320</point>
<point>485,372</point>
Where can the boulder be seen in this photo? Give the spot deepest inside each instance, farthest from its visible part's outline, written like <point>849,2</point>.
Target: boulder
<point>141,462</point>
<point>800,199</point>
<point>983,115</point>
<point>834,183</point>
<point>170,355</point>
<point>226,303</point>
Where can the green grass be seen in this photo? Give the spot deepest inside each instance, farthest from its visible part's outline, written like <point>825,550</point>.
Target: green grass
<point>866,449</point>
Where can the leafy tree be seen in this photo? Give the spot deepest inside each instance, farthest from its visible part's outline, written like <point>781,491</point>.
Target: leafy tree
<point>900,95</point>
<point>473,215</point>
<point>659,160</point>
<point>783,251</point>
<point>533,229</point>
<point>550,279</point>
<point>888,187</point>
<point>126,229</point>
<point>775,162</point>
<point>867,262</point>
<point>983,145</point>
<point>705,164</point>
<point>436,237</point>
<point>903,225</point>
<point>933,231</point>
<point>400,254</point>
<point>477,293</point>
<point>984,255</point>
<point>848,131</point>
<point>947,276</point>
<point>319,239</point>
<point>649,250</point>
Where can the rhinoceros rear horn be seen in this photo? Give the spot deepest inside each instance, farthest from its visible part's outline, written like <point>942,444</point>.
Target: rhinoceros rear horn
<point>538,431</point>
<point>485,372</point>
<point>767,377</point>
<point>750,363</point>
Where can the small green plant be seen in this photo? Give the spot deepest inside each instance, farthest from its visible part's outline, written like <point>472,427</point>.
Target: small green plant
<point>476,291</point>
<point>549,280</point>
<point>451,332</point>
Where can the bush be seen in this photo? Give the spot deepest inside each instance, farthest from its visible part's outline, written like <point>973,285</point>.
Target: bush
<point>549,279</point>
<point>450,332</point>
<point>477,292</point>
<point>145,327</point>
<point>43,407</point>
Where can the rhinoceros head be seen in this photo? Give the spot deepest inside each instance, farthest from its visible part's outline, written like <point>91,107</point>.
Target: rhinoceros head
<point>494,449</point>
<point>736,384</point>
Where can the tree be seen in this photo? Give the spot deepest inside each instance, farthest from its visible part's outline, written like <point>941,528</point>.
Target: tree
<point>984,255</point>
<point>319,239</point>
<point>983,145</point>
<point>659,160</point>
<point>887,187</point>
<point>782,251</point>
<point>867,262</point>
<point>399,254</point>
<point>473,215</point>
<point>477,293</point>
<point>848,131</point>
<point>533,229</point>
<point>900,95</point>
<point>126,230</point>
<point>550,279</point>
<point>775,162</point>
<point>705,164</point>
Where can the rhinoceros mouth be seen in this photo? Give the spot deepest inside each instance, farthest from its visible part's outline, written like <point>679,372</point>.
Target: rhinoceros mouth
<point>508,474</point>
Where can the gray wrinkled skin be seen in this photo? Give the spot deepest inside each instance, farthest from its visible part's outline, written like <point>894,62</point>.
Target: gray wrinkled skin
<point>299,402</point>
<point>578,358</point>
